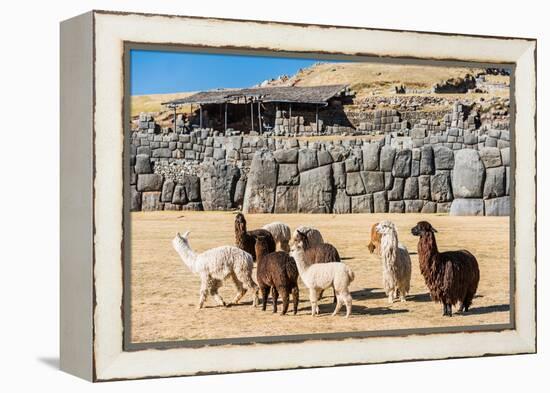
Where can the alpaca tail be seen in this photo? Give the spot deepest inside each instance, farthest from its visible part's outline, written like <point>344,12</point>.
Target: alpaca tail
<point>350,274</point>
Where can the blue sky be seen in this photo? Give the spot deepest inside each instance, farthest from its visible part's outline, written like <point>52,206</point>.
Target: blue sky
<point>153,72</point>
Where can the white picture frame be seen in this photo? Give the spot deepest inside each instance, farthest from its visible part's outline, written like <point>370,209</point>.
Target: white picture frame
<point>92,197</point>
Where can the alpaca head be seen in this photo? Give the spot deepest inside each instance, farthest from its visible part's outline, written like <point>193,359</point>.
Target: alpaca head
<point>240,223</point>
<point>301,239</point>
<point>386,227</point>
<point>181,241</point>
<point>296,249</point>
<point>261,246</point>
<point>423,228</point>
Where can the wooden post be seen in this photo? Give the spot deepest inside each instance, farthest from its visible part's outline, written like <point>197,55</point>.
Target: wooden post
<point>175,118</point>
<point>251,115</point>
<point>260,117</point>
<point>317,118</point>
<point>290,117</point>
<point>226,116</point>
<point>200,116</point>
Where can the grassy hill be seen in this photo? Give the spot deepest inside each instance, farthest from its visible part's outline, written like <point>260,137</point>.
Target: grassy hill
<point>365,79</point>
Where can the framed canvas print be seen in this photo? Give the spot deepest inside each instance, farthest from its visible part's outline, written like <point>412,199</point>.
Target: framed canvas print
<point>246,195</point>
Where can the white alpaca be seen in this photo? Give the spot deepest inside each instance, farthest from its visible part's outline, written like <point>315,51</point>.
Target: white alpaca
<point>313,235</point>
<point>320,276</point>
<point>215,265</point>
<point>281,234</point>
<point>396,262</point>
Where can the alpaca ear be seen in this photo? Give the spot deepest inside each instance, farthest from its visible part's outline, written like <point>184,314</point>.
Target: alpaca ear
<point>186,234</point>
<point>434,230</point>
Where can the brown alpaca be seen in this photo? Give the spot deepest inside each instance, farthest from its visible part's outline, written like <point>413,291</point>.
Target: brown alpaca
<point>276,272</point>
<point>246,240</point>
<point>375,238</point>
<point>452,277</point>
<point>319,253</point>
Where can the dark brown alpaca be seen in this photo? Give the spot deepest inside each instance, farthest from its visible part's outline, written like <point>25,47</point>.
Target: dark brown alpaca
<point>319,253</point>
<point>276,272</point>
<point>246,240</point>
<point>451,276</point>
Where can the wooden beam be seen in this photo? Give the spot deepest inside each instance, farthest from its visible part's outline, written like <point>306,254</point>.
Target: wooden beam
<point>317,118</point>
<point>260,117</point>
<point>175,118</point>
<point>290,117</point>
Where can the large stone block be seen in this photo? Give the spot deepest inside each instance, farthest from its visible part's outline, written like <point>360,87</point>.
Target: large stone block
<point>192,188</point>
<point>490,157</point>
<point>286,156</point>
<point>150,201</point>
<point>167,191</point>
<point>339,175</point>
<point>373,181</point>
<point>468,174</point>
<point>179,197</point>
<point>396,207</point>
<point>495,182</point>
<point>497,206</point>
<point>143,164</point>
<point>387,156</point>
<point>353,164</point>
<point>427,166</point>
<point>402,163</point>
<point>380,202</point>
<point>429,207</point>
<point>217,186</point>
<point>505,156</point>
<point>413,206</point>
<point>149,182</point>
<point>362,204</point>
<point>135,199</point>
<point>324,158</point>
<point>467,207</point>
<point>411,188</point>
<point>286,199</point>
<point>371,153</point>
<point>315,190</point>
<point>444,207</point>
<point>354,184</point>
<point>261,183</point>
<point>342,202</point>
<point>441,189</point>
<point>288,174</point>
<point>307,159</point>
<point>396,193</point>
<point>424,187</point>
<point>443,157</point>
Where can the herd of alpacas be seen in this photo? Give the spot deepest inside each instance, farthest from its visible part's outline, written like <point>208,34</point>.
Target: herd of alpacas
<point>452,277</point>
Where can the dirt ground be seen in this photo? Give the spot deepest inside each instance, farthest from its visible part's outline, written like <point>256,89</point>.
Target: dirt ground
<point>164,294</point>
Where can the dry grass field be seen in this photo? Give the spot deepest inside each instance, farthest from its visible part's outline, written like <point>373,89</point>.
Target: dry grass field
<point>164,294</point>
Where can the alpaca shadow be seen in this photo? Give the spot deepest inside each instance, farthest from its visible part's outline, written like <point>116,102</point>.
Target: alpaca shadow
<point>382,311</point>
<point>420,297</point>
<point>367,293</point>
<point>488,309</point>
<point>346,258</point>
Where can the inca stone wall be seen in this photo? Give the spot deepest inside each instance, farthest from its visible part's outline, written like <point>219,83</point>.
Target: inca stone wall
<point>204,170</point>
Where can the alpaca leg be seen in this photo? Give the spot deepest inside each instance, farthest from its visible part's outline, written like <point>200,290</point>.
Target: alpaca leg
<point>444,309</point>
<point>313,301</point>
<point>203,293</point>
<point>402,294</point>
<point>295,299</point>
<point>265,294</point>
<point>467,302</point>
<point>216,284</point>
<point>285,296</point>
<point>275,297</point>
<point>334,298</point>
<point>240,289</point>
<point>249,284</point>
<point>390,297</point>
<point>348,300</point>
<point>339,301</point>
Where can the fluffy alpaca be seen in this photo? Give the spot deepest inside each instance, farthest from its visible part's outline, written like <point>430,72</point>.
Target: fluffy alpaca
<point>320,276</point>
<point>214,266</point>
<point>277,272</point>
<point>452,277</point>
<point>374,239</point>
<point>246,240</point>
<point>396,262</point>
<point>317,253</point>
<point>281,234</point>
<point>313,235</point>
